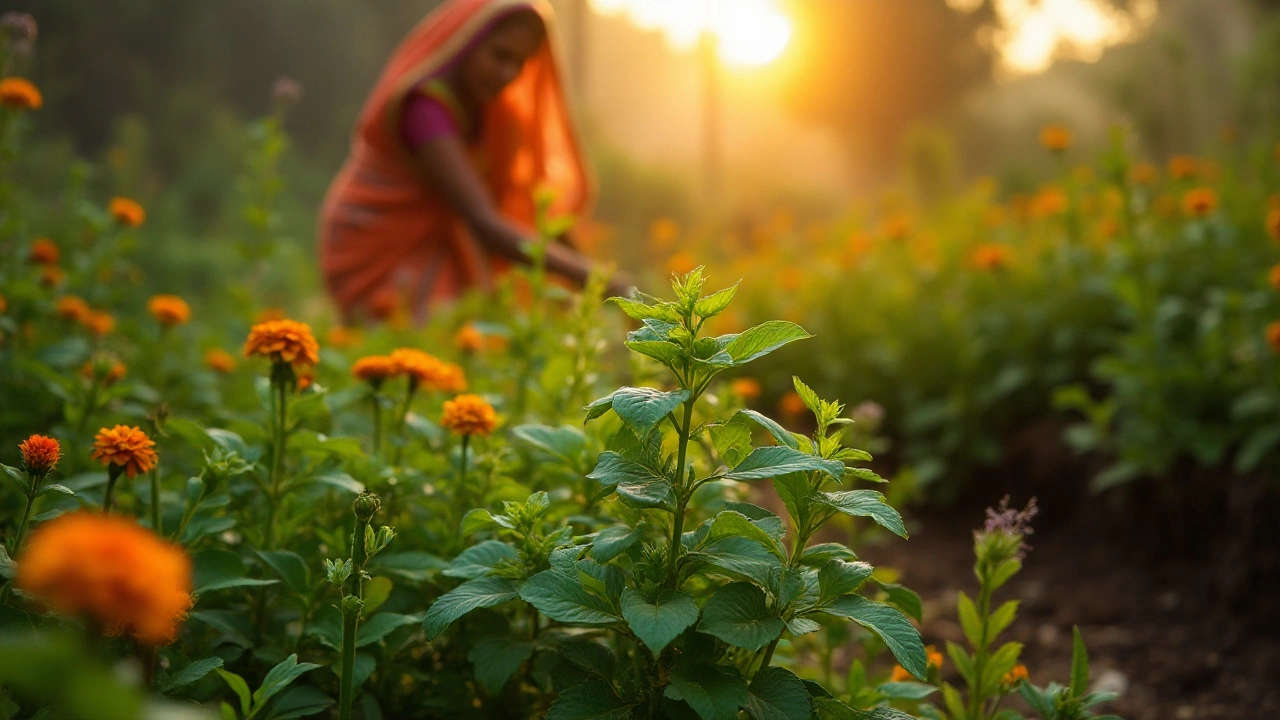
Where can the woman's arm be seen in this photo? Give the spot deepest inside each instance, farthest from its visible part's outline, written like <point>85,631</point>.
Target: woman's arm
<point>449,171</point>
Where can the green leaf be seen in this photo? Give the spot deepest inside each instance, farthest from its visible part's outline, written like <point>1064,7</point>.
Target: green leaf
<point>998,665</point>
<point>613,469</point>
<point>865,503</point>
<point>760,517</point>
<point>837,578</point>
<point>381,625</point>
<point>1079,664</point>
<point>8,568</point>
<point>1001,618</point>
<point>899,635</point>
<point>590,700</point>
<point>969,620</point>
<point>778,432</point>
<point>637,310</point>
<point>776,460</point>
<point>219,570</point>
<point>739,556</point>
<point>1039,701</point>
<point>234,626</point>
<point>904,599</point>
<point>192,672</point>
<point>716,302</point>
<point>663,351</point>
<point>279,677</point>
<point>739,615</point>
<point>496,659</point>
<point>763,339</point>
<point>480,559</point>
<point>906,690</point>
<point>563,598</point>
<point>657,623</point>
<point>300,701</point>
<point>481,592</point>
<point>732,440</point>
<point>413,566</point>
<point>239,687</point>
<point>641,408</point>
<point>713,691</point>
<point>647,495</point>
<point>955,703</point>
<point>376,592</point>
<point>961,660</point>
<point>291,567</point>
<point>614,540</point>
<point>729,523</point>
<point>777,694</point>
<point>808,396</point>
<point>565,442</point>
<point>55,487</point>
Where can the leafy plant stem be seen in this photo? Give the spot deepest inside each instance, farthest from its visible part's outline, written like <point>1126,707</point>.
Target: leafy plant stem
<point>677,525</point>
<point>347,689</point>
<point>404,416</point>
<point>377,425</point>
<point>768,653</point>
<point>113,474</point>
<point>26,517</point>
<point>976,700</point>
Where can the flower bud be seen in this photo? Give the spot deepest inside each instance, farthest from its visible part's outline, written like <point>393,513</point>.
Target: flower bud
<point>351,606</point>
<point>366,505</point>
<point>40,454</point>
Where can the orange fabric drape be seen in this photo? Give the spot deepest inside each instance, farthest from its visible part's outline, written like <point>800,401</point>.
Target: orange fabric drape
<point>386,237</point>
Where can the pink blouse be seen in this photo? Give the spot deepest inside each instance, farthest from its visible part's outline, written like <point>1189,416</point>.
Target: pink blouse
<point>424,117</point>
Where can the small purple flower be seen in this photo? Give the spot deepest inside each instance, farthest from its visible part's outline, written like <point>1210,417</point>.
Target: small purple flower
<point>1004,519</point>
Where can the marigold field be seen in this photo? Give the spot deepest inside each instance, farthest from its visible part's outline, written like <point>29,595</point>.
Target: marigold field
<point>768,486</point>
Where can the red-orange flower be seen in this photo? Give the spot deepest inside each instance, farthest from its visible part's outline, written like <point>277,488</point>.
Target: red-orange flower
<point>1055,138</point>
<point>99,322</point>
<point>469,415</point>
<point>747,388</point>
<point>20,94</point>
<point>40,454</point>
<point>1200,202</point>
<point>169,310</point>
<point>127,212</point>
<point>990,256</point>
<point>1048,202</point>
<point>286,341</point>
<point>681,263</point>
<point>52,276</point>
<point>791,405</point>
<point>110,569</point>
<point>70,307</point>
<point>427,371</point>
<point>1183,167</point>
<point>126,446</point>
<point>1273,335</point>
<point>374,369</point>
<point>219,360</point>
<point>1015,676</point>
<point>44,252</point>
<point>108,370</point>
<point>933,660</point>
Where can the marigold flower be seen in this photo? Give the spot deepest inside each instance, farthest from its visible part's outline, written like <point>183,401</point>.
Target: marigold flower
<point>1048,202</point>
<point>791,405</point>
<point>469,415</point>
<point>990,256</point>
<point>286,341</point>
<point>663,233</point>
<point>44,252</point>
<point>374,369</point>
<point>1200,202</point>
<point>747,388</point>
<point>306,380</point>
<point>99,322</point>
<point>40,454</point>
<point>1183,167</point>
<point>900,674</point>
<point>933,659</point>
<point>126,446</point>
<point>1055,138</point>
<point>219,360</point>
<point>343,337</point>
<point>110,569</point>
<point>1015,676</point>
<point>1273,335</point>
<point>933,656</point>
<point>1144,174</point>
<point>52,276</point>
<point>1273,224</point>
<point>20,94</point>
<point>169,310</point>
<point>428,372</point>
<point>70,307</point>
<point>108,370</point>
<point>469,339</point>
<point>127,212</point>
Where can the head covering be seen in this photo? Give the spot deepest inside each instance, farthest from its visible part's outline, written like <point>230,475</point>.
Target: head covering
<point>387,237</point>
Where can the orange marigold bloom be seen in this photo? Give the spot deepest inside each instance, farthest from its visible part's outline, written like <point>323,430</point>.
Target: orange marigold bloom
<point>990,256</point>
<point>1182,167</point>
<point>469,415</point>
<point>1055,138</point>
<point>1048,202</point>
<point>127,212</point>
<point>219,360</point>
<point>428,372</point>
<point>286,341</point>
<point>169,310</point>
<point>1273,224</point>
<point>900,674</point>
<point>99,322</point>
<point>44,252</point>
<point>681,263</point>
<point>70,307</point>
<point>343,337</point>
<point>109,370</point>
<point>1015,676</point>
<point>747,388</point>
<point>306,380</point>
<point>469,339</point>
<point>125,446</point>
<point>40,454</point>
<point>1200,202</point>
<point>791,405</point>
<point>933,656</point>
<point>1144,174</point>
<point>52,276</point>
<point>451,380</point>
<point>20,94</point>
<point>110,569</point>
<point>374,368</point>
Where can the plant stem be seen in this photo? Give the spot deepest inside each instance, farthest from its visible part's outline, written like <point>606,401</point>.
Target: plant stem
<point>280,410</point>
<point>346,691</point>
<point>976,700</point>
<point>677,526</point>
<point>462,467</point>
<point>404,416</point>
<point>155,501</point>
<point>26,516</point>
<point>112,475</point>
<point>768,653</point>
<point>377,426</point>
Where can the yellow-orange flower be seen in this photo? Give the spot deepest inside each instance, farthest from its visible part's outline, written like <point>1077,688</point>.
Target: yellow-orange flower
<point>791,405</point>
<point>99,322</point>
<point>1048,202</point>
<point>900,674</point>
<point>374,369</point>
<point>469,339</point>
<point>287,341</point>
<point>469,415</point>
<point>40,454</point>
<point>1015,676</point>
<point>896,226</point>
<point>1055,138</point>
<point>342,337</point>
<point>747,388</point>
<point>70,307</point>
<point>1183,167</point>
<point>305,380</point>
<point>126,446</point>
<point>127,212</point>
<point>20,94</point>
<point>933,662</point>
<point>110,569</point>
<point>219,360</point>
<point>51,276</point>
<point>44,252</point>
<point>109,370</point>
<point>1273,224</point>
<point>663,234</point>
<point>169,310</point>
<point>1200,202</point>
<point>1144,174</point>
<point>428,372</point>
<point>990,256</point>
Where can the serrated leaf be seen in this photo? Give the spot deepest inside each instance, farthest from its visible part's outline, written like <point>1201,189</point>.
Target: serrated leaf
<point>837,578</point>
<point>763,339</point>
<point>716,302</point>
<point>613,541</point>
<point>777,694</point>
<point>739,615</point>
<point>777,460</point>
<point>642,408</point>
<point>897,632</point>
<point>638,310</point>
<point>496,659</point>
<point>481,592</point>
<point>663,351</point>
<point>778,432</point>
<point>713,691</point>
<point>802,626</point>
<point>760,517</point>
<point>563,598</point>
<point>865,503</point>
<point>657,623</point>
<point>732,440</point>
<point>647,495</point>
<point>480,559</point>
<point>906,690</point>
<point>739,556</point>
<point>729,523</point>
<point>279,677</point>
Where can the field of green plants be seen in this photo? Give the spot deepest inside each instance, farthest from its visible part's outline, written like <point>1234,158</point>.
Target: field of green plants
<point>554,504</point>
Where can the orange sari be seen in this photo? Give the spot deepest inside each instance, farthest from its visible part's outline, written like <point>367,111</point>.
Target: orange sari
<point>387,238</point>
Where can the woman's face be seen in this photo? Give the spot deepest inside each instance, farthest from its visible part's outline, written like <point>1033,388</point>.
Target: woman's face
<point>500,57</point>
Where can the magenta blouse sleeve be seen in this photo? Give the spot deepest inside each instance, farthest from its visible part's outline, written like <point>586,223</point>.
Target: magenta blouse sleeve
<point>424,117</point>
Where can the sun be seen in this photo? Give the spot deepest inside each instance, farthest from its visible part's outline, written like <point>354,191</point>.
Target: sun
<point>749,33</point>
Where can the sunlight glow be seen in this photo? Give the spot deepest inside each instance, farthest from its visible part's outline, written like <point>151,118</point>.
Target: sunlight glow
<point>750,33</point>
